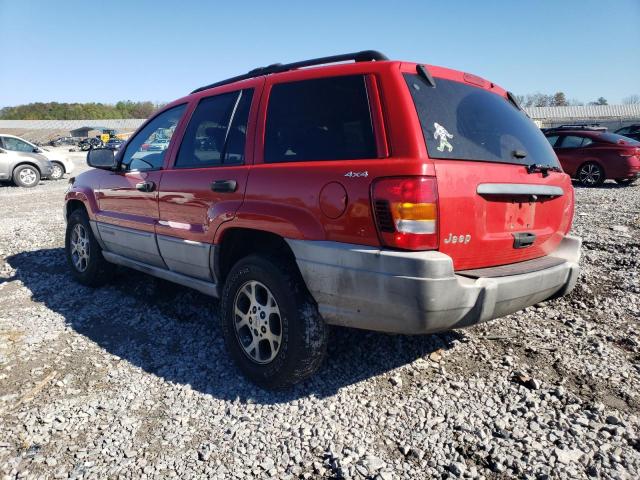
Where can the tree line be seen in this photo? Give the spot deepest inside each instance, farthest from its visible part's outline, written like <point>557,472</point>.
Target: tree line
<point>129,109</point>
<point>78,111</point>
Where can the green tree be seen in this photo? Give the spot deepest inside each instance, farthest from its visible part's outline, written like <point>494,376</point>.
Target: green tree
<point>599,101</point>
<point>559,99</point>
<point>77,111</point>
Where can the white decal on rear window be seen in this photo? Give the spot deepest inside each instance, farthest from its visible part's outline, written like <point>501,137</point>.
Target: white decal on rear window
<point>442,134</point>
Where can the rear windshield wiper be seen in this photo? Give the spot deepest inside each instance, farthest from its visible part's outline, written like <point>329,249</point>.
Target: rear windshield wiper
<point>544,169</point>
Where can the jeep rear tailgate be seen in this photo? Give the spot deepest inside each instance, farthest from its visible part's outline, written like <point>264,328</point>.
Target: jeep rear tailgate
<point>494,208</point>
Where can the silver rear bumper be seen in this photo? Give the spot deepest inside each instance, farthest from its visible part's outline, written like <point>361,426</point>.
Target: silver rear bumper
<point>419,292</point>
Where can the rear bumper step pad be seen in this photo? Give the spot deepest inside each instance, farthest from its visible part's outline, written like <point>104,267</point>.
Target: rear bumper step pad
<point>513,268</point>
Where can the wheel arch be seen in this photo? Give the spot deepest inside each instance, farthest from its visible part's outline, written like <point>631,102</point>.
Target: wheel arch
<point>26,162</point>
<point>84,196</point>
<point>237,243</point>
<point>73,205</point>
<point>64,169</point>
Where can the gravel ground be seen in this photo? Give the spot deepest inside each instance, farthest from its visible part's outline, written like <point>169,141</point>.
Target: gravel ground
<point>132,379</point>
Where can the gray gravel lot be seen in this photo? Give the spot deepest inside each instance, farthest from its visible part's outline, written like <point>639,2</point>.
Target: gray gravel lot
<point>132,380</point>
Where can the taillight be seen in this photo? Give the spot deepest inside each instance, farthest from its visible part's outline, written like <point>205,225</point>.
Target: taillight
<point>629,153</point>
<point>406,211</point>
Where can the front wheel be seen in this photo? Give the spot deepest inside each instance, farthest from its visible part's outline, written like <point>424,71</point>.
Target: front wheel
<point>83,252</point>
<point>270,323</point>
<point>591,175</point>
<point>26,176</point>
<point>57,171</point>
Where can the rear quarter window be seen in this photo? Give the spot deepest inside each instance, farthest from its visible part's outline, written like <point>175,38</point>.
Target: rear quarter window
<point>463,122</point>
<point>575,141</point>
<point>319,119</point>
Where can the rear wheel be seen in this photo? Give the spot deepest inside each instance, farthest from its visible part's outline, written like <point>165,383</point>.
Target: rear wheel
<point>26,176</point>
<point>626,181</point>
<point>590,175</point>
<point>83,252</point>
<point>57,172</point>
<point>270,323</point>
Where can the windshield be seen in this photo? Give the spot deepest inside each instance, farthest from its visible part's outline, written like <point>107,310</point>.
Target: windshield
<point>464,122</point>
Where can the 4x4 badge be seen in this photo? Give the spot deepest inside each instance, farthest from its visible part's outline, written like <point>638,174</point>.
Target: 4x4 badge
<point>357,174</point>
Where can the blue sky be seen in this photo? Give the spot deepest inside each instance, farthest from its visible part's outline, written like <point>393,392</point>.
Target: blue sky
<point>79,51</point>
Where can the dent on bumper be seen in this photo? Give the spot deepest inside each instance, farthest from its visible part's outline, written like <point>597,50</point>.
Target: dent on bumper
<point>418,292</point>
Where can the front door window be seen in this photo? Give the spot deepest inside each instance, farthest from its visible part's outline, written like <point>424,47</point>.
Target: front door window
<point>146,151</point>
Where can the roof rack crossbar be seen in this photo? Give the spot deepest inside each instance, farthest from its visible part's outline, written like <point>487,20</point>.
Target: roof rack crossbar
<point>363,56</point>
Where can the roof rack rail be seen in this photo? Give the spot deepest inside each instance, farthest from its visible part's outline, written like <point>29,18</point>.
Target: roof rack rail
<point>363,56</point>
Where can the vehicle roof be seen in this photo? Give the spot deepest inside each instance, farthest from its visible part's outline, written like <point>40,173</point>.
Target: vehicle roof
<point>335,69</point>
<point>578,132</point>
<point>19,138</point>
<point>595,135</point>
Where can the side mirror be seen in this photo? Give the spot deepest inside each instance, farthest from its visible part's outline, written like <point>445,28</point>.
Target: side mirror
<point>101,158</point>
<point>2,150</point>
<point>37,150</point>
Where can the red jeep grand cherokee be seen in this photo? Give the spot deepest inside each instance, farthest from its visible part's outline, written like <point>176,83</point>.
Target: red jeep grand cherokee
<point>377,194</point>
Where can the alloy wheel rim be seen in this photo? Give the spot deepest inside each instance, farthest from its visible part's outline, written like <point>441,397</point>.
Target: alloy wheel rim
<point>590,174</point>
<point>257,322</point>
<point>28,176</point>
<point>56,172</point>
<point>80,247</point>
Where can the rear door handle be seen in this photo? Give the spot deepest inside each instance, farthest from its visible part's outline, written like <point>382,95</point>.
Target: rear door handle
<point>224,186</point>
<point>146,186</point>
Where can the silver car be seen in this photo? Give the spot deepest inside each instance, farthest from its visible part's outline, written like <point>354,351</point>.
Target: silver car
<point>60,163</point>
<point>24,166</point>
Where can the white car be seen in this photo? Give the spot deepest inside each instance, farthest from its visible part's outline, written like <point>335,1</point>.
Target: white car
<point>60,163</point>
<point>159,144</point>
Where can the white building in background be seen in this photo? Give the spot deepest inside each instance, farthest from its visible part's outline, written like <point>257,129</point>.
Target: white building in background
<point>610,116</point>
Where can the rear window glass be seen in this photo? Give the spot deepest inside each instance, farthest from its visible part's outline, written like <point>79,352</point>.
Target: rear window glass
<point>615,138</point>
<point>216,132</point>
<point>320,119</point>
<point>574,141</point>
<point>463,122</point>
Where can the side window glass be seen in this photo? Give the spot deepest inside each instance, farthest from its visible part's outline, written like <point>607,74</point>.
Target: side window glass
<point>147,149</point>
<point>571,141</point>
<point>553,139</point>
<point>217,131</point>
<point>586,142</point>
<point>320,119</point>
<point>624,131</point>
<point>17,145</point>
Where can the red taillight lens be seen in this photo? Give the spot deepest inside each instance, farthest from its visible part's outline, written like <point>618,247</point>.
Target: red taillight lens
<point>629,153</point>
<point>406,210</point>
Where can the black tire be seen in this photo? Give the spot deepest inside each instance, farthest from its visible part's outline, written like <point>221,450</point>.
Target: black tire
<point>95,271</point>
<point>26,176</point>
<point>303,333</point>
<point>626,181</point>
<point>58,171</point>
<point>591,175</point>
